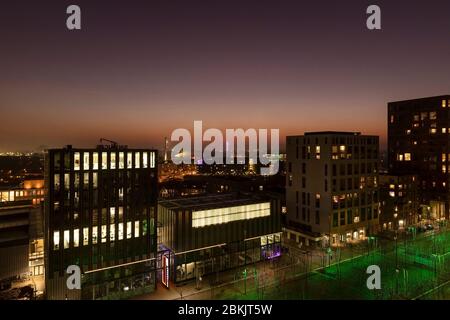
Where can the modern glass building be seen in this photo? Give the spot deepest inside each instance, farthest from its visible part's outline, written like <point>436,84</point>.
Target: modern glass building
<point>100,214</point>
<point>213,233</point>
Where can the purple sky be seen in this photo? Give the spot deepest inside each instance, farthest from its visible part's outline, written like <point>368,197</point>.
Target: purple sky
<point>140,69</point>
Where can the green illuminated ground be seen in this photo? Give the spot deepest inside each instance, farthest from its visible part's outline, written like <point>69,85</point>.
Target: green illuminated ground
<point>410,269</point>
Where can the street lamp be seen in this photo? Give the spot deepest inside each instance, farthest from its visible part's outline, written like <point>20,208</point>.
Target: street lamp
<point>245,281</point>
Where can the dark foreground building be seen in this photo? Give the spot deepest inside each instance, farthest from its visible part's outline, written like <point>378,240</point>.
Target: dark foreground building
<point>212,233</point>
<point>100,214</point>
<point>419,144</point>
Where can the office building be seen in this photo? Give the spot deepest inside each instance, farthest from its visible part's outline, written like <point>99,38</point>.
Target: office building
<point>100,214</point>
<point>211,233</point>
<point>332,187</point>
<point>419,144</point>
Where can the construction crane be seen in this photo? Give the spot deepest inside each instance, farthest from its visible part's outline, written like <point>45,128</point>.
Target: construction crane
<point>112,143</point>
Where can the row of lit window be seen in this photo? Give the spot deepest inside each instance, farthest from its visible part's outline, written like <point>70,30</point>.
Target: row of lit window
<point>6,196</point>
<point>445,103</point>
<point>224,215</point>
<point>125,159</point>
<point>95,232</point>
<point>432,130</point>
<point>404,156</point>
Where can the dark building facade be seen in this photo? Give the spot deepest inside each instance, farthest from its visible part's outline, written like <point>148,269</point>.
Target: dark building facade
<point>212,233</point>
<point>399,202</point>
<point>100,215</point>
<point>419,144</point>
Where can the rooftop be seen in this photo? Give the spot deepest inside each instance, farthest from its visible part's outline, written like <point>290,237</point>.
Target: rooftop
<point>445,96</point>
<point>212,201</point>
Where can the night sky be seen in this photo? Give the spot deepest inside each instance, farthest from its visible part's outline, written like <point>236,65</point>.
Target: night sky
<point>140,69</point>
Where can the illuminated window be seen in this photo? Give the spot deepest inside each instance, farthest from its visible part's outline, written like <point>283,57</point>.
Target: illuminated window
<point>136,229</point>
<point>407,156</point>
<point>76,161</point>
<point>129,160</point>
<point>342,148</point>
<point>145,160</point>
<point>399,157</point>
<point>120,233</point>
<point>112,232</point>
<point>433,116</point>
<point>103,233</point>
<point>408,131</point>
<point>95,161</point>
<point>76,237</point>
<point>104,160</point>
<point>224,215</point>
<point>85,236</point>
<point>55,240</point>
<point>94,234</point>
<point>129,231</point>
<point>444,157</point>
<point>392,118</point>
<point>317,152</point>
<point>86,160</point>
<point>66,239</point>
<point>95,180</point>
<point>444,104</point>
<point>423,115</point>
<point>66,181</point>
<point>152,159</point>
<point>137,160</point>
<point>433,130</point>
<point>392,193</point>
<point>86,180</point>
<point>121,160</point>
<point>444,130</point>
<point>113,160</point>
<point>56,181</point>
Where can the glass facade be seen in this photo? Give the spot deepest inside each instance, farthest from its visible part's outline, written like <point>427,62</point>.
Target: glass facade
<point>98,217</point>
<point>194,264</point>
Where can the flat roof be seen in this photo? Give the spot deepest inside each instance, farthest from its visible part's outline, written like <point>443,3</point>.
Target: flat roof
<point>333,132</point>
<point>446,96</point>
<point>336,133</point>
<point>211,201</point>
<point>104,148</point>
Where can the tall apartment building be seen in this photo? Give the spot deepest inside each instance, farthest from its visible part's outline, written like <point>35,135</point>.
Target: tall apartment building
<point>100,214</point>
<point>332,186</point>
<point>419,144</point>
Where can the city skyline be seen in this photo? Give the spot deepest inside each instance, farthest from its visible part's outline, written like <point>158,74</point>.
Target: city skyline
<point>134,73</point>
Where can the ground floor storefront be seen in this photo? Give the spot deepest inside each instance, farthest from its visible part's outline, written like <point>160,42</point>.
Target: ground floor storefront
<point>194,264</point>
<point>119,282</point>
